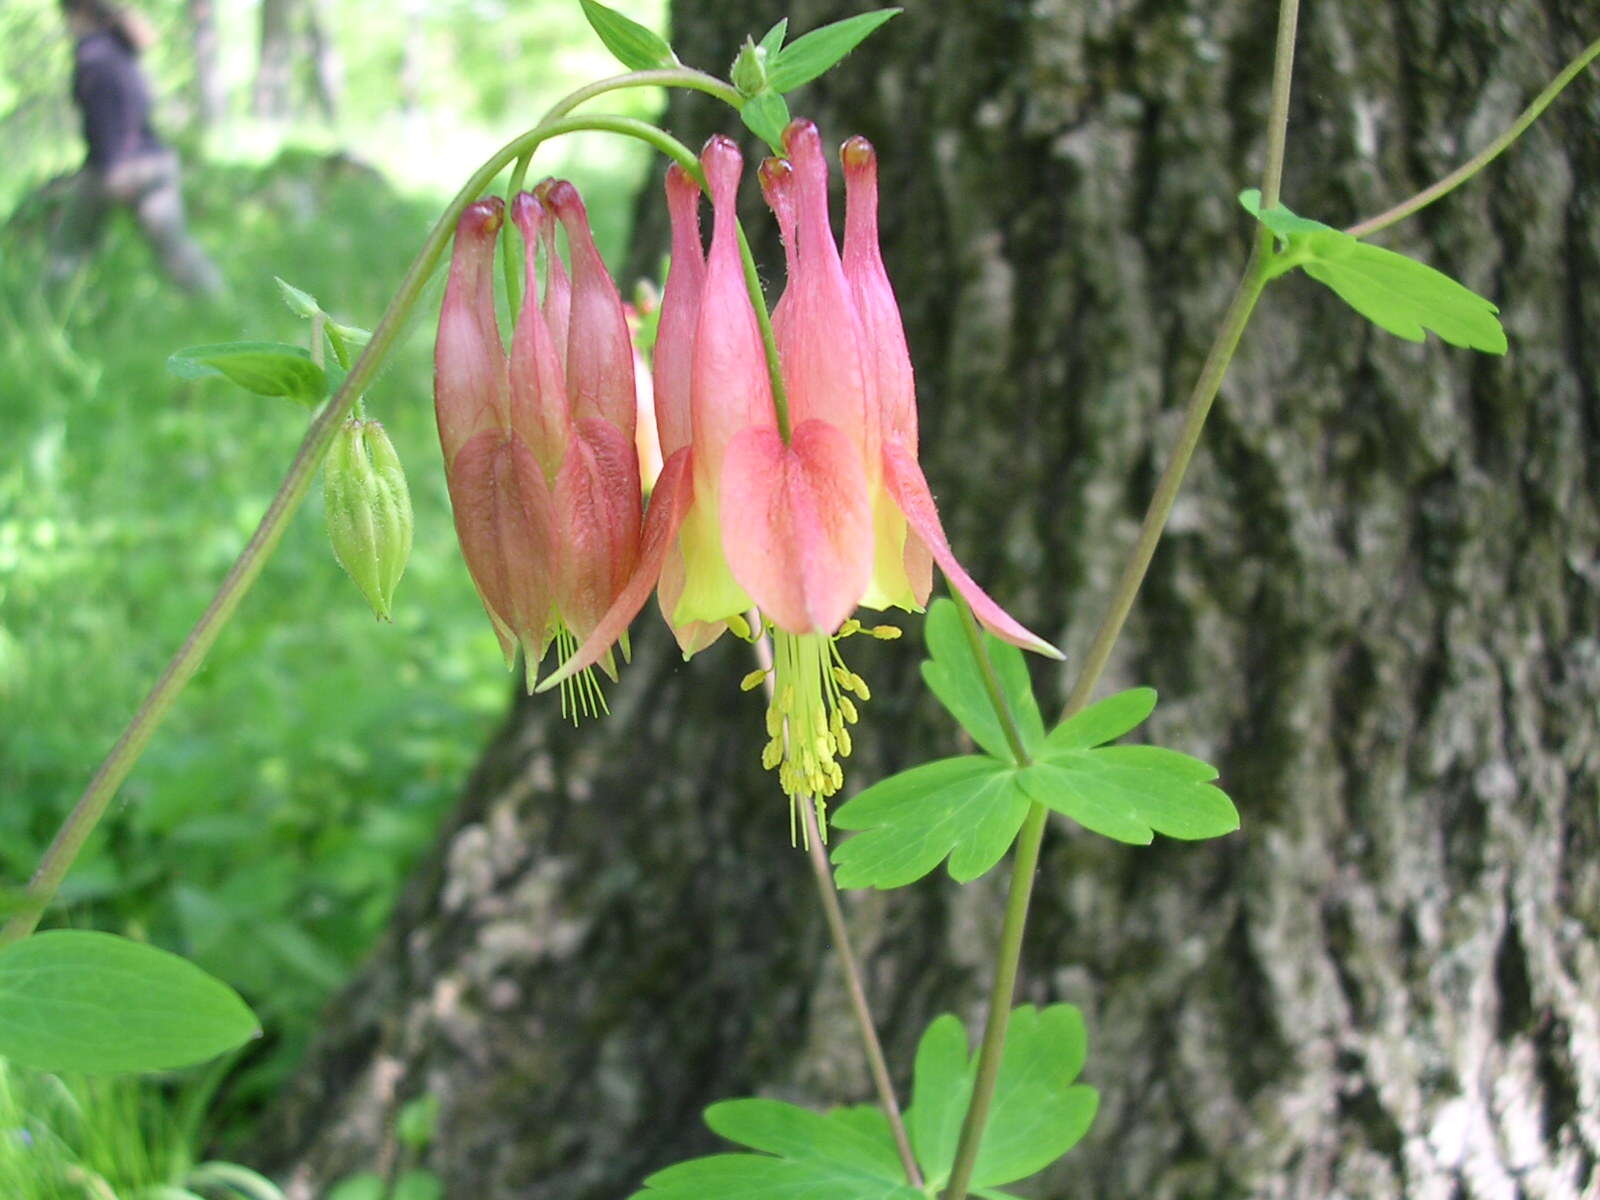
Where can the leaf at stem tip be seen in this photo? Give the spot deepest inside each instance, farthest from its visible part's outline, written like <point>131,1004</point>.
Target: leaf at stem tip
<point>633,45</point>
<point>262,368</point>
<point>1394,292</point>
<point>772,40</point>
<point>75,1000</point>
<point>765,114</point>
<point>1037,1113</point>
<point>811,54</point>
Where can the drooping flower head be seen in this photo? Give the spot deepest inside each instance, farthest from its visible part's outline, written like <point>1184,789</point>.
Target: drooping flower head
<point>806,521</point>
<point>539,451</point>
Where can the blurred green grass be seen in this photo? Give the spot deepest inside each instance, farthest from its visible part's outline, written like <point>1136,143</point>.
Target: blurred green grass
<point>270,824</point>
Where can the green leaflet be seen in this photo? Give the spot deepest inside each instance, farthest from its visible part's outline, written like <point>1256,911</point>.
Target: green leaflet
<point>1038,1114</point>
<point>847,1154</point>
<point>634,46</point>
<point>765,114</point>
<point>772,41</point>
<point>264,368</point>
<point>809,55</point>
<point>953,675</point>
<point>968,809</point>
<point>1396,293</point>
<point>73,1000</point>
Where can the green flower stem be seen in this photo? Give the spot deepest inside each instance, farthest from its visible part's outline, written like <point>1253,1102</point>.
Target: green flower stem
<point>828,892</point>
<point>1485,156</point>
<point>769,341</point>
<point>991,681</point>
<point>92,805</point>
<point>1025,859</point>
<point>511,238</point>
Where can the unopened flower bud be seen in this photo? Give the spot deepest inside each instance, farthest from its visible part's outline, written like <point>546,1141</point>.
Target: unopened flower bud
<point>368,510</point>
<point>749,72</point>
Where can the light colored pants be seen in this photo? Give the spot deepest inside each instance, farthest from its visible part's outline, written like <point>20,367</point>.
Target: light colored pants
<point>148,188</point>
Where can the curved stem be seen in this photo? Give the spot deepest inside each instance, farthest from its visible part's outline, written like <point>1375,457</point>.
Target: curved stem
<point>769,341</point>
<point>92,805</point>
<point>681,77</point>
<point>511,238</point>
<point>1483,157</point>
<point>828,892</point>
<point>1025,859</point>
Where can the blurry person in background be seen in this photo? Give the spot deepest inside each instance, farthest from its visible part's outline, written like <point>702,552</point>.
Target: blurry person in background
<point>127,166</point>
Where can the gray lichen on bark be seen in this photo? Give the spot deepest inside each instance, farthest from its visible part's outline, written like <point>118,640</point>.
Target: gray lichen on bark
<point>1376,609</point>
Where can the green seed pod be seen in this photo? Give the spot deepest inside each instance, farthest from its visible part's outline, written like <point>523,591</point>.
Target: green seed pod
<point>369,510</point>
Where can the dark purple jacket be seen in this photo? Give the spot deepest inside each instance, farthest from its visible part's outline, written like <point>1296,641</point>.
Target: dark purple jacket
<point>111,93</point>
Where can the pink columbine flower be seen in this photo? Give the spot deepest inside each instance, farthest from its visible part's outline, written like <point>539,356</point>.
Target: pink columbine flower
<point>808,526</point>
<point>539,450</point>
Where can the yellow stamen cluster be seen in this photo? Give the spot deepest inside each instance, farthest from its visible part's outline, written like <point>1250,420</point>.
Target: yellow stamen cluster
<point>808,719</point>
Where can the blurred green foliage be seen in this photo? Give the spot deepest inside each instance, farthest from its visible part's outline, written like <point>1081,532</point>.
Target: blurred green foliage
<point>268,827</point>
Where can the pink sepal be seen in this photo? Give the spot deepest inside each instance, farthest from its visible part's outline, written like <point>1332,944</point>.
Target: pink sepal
<point>797,525</point>
<point>506,524</point>
<point>597,500</point>
<point>668,503</point>
<point>909,487</point>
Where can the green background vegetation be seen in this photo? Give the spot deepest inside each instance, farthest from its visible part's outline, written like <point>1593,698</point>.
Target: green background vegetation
<point>267,830</point>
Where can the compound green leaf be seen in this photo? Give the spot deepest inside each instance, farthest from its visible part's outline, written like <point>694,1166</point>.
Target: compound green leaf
<point>1037,1115</point>
<point>1103,721</point>
<point>633,45</point>
<point>263,368</point>
<point>1403,295</point>
<point>809,55</point>
<point>765,114</point>
<point>847,1154</point>
<point>74,1000</point>
<point>788,1131</point>
<point>953,675</point>
<point>1394,292</point>
<point>968,809</point>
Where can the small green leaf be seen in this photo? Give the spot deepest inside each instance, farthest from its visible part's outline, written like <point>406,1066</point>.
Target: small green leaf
<point>789,1131</point>
<point>953,675</point>
<point>1394,292</point>
<point>772,40</point>
<point>263,368</point>
<point>1037,1114</point>
<point>939,1100</point>
<point>74,1000</point>
<point>757,1177</point>
<point>1403,295</point>
<point>302,304</point>
<point>809,55</point>
<point>635,47</point>
<point>968,809</point>
<point>766,114</point>
<point>1103,720</point>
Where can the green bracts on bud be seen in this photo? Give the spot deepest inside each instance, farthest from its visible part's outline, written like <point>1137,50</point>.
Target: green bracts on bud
<point>369,510</point>
<point>749,73</point>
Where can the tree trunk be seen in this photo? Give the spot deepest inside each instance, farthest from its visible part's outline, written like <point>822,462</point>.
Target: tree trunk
<point>1376,609</point>
<point>275,60</point>
<point>210,95</point>
<point>327,65</point>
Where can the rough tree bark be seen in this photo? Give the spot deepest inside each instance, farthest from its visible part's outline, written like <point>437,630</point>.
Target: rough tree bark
<point>1377,610</point>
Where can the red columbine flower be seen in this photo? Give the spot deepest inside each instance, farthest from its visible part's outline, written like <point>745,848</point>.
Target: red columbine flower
<point>809,526</point>
<point>539,452</point>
